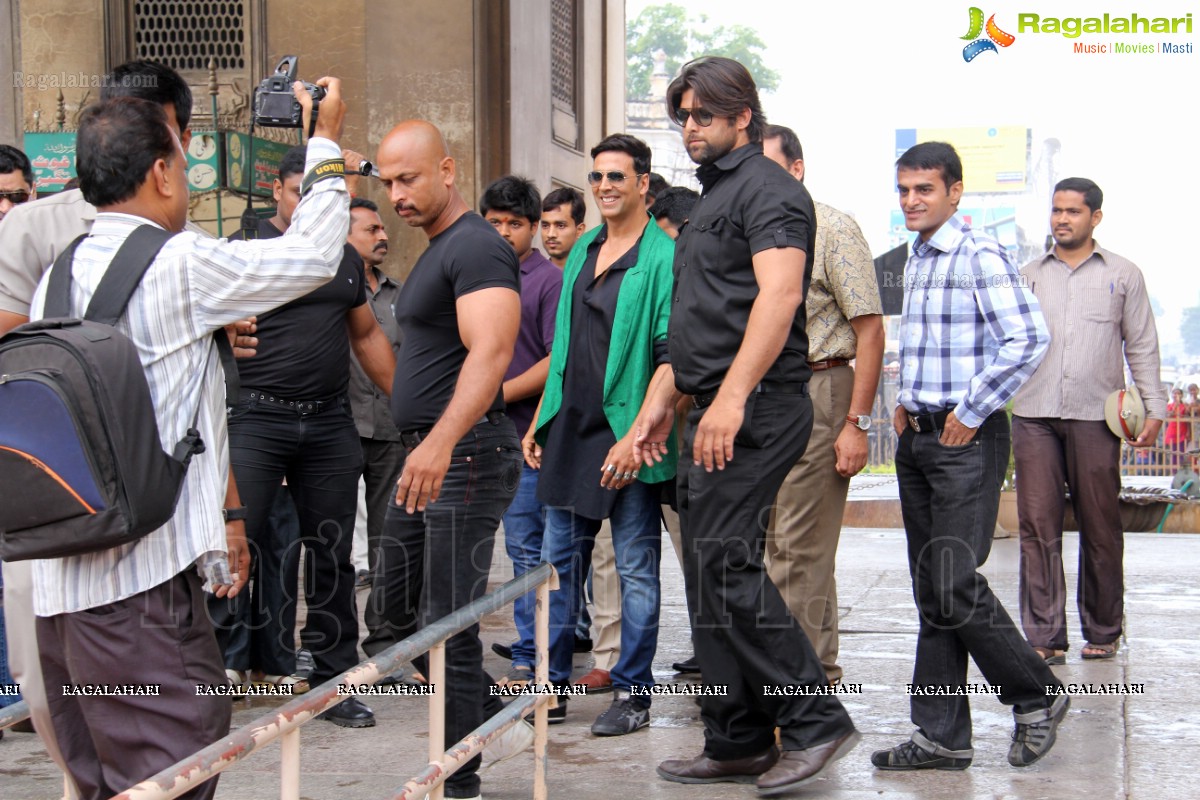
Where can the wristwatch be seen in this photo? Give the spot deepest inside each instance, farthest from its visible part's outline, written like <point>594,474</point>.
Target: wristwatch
<point>234,514</point>
<point>860,421</point>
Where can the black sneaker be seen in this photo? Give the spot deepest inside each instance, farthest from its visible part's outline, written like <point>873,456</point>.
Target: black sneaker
<point>911,755</point>
<point>625,715</point>
<point>1032,739</point>
<point>304,663</point>
<point>554,716</point>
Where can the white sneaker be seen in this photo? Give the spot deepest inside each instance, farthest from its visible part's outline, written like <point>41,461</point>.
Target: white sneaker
<point>512,742</point>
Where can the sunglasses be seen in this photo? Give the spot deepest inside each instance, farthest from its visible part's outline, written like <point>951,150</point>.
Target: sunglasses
<point>615,178</point>
<point>15,197</point>
<point>702,116</point>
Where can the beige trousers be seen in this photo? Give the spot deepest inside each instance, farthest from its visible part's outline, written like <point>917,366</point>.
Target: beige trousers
<point>802,539</point>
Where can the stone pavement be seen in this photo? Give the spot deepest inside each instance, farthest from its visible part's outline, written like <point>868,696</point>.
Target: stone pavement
<point>1135,746</point>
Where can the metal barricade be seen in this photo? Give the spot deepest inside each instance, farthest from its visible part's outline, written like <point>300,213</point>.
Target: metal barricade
<point>285,722</point>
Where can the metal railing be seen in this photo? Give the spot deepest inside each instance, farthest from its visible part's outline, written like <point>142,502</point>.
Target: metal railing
<point>284,723</point>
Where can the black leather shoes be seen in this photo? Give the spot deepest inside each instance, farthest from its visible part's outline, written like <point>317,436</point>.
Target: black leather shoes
<point>350,713</point>
<point>798,767</point>
<point>689,666</point>
<point>502,650</point>
<point>583,645</point>
<point>703,769</point>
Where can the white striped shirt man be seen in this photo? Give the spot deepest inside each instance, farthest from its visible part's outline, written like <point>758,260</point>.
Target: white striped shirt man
<point>194,287</point>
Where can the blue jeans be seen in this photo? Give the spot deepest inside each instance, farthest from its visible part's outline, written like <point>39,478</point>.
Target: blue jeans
<point>6,678</point>
<point>435,562</point>
<point>637,541</point>
<point>524,524</point>
<point>949,497</point>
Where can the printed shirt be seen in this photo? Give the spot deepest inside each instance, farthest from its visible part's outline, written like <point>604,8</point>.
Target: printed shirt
<point>843,286</point>
<point>970,332</point>
<point>1099,317</point>
<point>195,286</point>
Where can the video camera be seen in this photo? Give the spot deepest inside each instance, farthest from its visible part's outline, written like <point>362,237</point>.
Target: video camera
<point>275,106</point>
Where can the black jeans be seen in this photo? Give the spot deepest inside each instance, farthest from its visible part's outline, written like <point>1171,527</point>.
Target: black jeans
<point>435,562</point>
<point>320,456</point>
<point>745,637</point>
<point>949,497</point>
<point>382,461</point>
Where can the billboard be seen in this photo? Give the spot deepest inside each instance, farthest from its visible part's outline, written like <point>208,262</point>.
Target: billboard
<point>994,159</point>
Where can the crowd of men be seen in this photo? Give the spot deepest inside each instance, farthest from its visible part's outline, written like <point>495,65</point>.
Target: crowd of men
<point>708,361</point>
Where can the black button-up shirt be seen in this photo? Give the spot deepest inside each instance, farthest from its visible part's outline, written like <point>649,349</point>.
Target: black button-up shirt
<point>749,204</point>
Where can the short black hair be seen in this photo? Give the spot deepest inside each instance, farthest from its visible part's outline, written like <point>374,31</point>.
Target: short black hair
<point>362,202</point>
<point>513,194</point>
<point>789,142</point>
<point>675,203</point>
<point>118,142</point>
<point>658,184</point>
<point>293,162</point>
<point>630,145</point>
<point>13,160</point>
<point>933,155</point>
<point>563,195</point>
<point>150,80</point>
<point>1093,198</point>
<point>724,86</point>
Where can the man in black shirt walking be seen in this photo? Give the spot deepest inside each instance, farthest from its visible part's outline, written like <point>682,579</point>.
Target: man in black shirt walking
<point>459,310</point>
<point>738,347</point>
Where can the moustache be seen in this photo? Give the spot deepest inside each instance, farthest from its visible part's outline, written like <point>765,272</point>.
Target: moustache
<point>381,246</point>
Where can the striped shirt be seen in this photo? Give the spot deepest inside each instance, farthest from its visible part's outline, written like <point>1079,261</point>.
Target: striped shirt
<point>970,332</point>
<point>1100,317</point>
<point>195,286</point>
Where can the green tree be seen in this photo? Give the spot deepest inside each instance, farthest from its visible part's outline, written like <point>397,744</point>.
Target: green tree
<point>681,38</point>
<point>1189,329</point>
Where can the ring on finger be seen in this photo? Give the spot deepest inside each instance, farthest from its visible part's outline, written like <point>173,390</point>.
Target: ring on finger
<point>611,468</point>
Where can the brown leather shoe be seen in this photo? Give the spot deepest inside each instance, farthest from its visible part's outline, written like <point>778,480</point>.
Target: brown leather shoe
<point>703,769</point>
<point>798,767</point>
<point>596,682</point>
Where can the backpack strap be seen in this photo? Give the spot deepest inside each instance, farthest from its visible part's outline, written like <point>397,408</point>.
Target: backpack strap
<point>58,290</point>
<point>125,272</point>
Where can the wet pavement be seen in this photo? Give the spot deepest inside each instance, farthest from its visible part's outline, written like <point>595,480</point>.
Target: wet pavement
<point>1142,745</point>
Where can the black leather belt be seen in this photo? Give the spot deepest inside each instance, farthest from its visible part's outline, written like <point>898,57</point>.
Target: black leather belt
<point>303,407</point>
<point>929,423</point>
<point>766,387</point>
<point>411,439</point>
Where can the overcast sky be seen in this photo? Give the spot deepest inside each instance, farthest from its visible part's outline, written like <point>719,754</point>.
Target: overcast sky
<point>854,72</point>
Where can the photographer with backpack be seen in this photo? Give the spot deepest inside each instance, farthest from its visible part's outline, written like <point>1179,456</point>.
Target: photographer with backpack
<point>122,632</point>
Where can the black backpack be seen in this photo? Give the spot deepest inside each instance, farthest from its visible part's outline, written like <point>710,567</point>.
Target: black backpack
<point>81,465</point>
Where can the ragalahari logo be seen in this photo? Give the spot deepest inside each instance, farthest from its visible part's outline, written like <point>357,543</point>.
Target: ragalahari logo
<point>995,36</point>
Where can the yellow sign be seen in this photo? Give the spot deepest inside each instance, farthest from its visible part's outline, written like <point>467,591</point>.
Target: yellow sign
<point>994,159</point>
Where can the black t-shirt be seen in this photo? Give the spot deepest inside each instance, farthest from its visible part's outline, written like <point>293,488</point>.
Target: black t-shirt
<point>304,346</point>
<point>749,204</point>
<point>464,258</point>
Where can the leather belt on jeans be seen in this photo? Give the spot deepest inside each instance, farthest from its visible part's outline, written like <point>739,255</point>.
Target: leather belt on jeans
<point>929,423</point>
<point>299,406</point>
<point>829,363</point>
<point>411,439</point>
<point>766,387</point>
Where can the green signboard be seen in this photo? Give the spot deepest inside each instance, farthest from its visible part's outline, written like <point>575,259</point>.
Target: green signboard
<point>267,157</point>
<point>53,158</point>
<point>204,162</point>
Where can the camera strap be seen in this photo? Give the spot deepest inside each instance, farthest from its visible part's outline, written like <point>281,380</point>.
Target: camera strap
<point>330,168</point>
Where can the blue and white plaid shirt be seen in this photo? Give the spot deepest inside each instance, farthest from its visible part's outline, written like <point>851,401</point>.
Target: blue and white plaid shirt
<point>971,333</point>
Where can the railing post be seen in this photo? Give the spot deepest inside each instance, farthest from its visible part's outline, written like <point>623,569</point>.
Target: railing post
<point>289,765</point>
<point>437,710</point>
<point>541,639</point>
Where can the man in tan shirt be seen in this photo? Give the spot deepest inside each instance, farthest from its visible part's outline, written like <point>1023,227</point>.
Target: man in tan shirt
<point>1096,306</point>
<point>845,324</point>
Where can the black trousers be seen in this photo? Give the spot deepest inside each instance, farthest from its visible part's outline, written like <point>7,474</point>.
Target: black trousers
<point>382,461</point>
<point>746,639</point>
<point>160,637</point>
<point>320,456</point>
<point>949,497</point>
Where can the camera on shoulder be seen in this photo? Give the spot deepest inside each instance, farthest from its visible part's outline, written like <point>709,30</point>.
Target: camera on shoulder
<point>275,106</point>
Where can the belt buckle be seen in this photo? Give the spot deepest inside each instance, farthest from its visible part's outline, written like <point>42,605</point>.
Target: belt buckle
<point>914,423</point>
